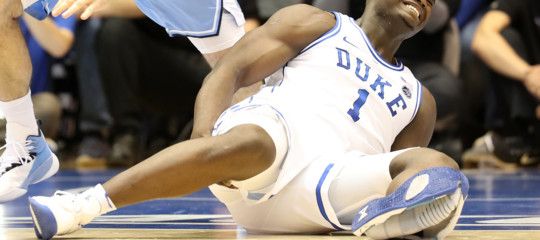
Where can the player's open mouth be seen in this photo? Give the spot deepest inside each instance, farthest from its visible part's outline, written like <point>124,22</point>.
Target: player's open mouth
<point>415,8</point>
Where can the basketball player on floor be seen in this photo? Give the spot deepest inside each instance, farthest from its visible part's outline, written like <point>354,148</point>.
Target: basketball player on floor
<point>335,140</point>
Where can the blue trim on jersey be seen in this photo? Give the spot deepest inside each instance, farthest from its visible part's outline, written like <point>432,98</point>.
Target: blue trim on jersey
<point>247,106</point>
<point>283,74</point>
<point>419,94</point>
<point>218,15</point>
<point>288,132</point>
<point>335,30</point>
<point>184,17</point>
<point>319,197</point>
<point>255,196</point>
<point>281,79</point>
<point>380,59</point>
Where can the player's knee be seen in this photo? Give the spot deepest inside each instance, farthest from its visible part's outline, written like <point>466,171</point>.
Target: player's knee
<point>10,10</point>
<point>420,159</point>
<point>435,158</point>
<point>256,148</point>
<point>259,148</point>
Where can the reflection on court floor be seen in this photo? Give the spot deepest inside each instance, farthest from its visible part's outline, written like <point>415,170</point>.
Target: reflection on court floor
<point>497,200</point>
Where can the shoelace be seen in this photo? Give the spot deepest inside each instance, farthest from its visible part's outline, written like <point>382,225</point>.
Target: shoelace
<point>72,203</point>
<point>69,199</point>
<point>15,153</point>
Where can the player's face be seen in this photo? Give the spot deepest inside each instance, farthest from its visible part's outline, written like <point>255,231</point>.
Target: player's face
<point>416,12</point>
<point>411,15</point>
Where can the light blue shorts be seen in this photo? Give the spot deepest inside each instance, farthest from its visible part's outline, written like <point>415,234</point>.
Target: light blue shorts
<point>192,18</point>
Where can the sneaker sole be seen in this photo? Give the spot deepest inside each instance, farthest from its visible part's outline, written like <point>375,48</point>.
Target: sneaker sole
<point>13,194</point>
<point>414,192</point>
<point>44,220</point>
<point>46,170</point>
<point>442,233</point>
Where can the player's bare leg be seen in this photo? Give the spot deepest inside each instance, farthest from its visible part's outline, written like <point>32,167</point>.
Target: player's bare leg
<point>27,158</point>
<point>181,169</point>
<point>16,68</point>
<point>186,167</point>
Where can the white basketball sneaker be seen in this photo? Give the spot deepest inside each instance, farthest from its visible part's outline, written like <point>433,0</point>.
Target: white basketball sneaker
<point>65,213</point>
<point>24,163</point>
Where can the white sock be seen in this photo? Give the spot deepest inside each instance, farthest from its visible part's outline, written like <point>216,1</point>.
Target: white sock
<point>415,220</point>
<point>20,118</point>
<point>97,204</point>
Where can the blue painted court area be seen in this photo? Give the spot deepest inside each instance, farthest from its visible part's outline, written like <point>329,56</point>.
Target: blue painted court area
<point>497,201</point>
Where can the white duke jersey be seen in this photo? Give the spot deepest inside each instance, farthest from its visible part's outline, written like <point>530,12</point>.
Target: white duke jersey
<point>339,95</point>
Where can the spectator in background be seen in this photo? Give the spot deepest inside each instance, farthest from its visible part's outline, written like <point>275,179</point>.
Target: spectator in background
<point>425,55</point>
<point>143,71</point>
<point>94,119</point>
<point>48,40</point>
<point>507,40</point>
<point>472,72</point>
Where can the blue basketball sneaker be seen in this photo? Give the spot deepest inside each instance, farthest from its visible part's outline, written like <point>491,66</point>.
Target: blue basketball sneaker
<point>25,163</point>
<point>65,213</point>
<point>38,9</point>
<point>430,202</point>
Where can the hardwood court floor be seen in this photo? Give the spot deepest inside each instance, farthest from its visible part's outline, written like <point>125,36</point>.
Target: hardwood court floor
<point>105,234</point>
<point>501,205</point>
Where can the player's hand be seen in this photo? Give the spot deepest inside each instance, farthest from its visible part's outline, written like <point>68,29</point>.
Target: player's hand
<point>199,131</point>
<point>532,81</point>
<point>70,7</point>
<point>227,184</point>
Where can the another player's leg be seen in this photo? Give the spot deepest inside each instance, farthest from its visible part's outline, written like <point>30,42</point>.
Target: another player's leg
<point>426,195</point>
<point>26,159</point>
<point>238,154</point>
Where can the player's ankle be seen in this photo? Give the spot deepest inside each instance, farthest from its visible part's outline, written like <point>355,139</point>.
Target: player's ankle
<point>96,203</point>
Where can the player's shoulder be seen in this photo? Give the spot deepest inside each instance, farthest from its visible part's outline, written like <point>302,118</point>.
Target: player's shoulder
<point>303,9</point>
<point>304,16</point>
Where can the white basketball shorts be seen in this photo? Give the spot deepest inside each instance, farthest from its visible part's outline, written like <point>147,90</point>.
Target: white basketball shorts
<point>323,197</point>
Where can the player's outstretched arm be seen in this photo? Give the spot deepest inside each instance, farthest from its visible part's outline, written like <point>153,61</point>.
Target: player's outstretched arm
<point>70,7</point>
<point>257,55</point>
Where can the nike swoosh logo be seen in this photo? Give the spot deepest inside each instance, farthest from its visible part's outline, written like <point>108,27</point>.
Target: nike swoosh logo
<point>345,39</point>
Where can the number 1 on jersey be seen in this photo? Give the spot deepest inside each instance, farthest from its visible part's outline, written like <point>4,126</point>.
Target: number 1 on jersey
<point>355,111</point>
